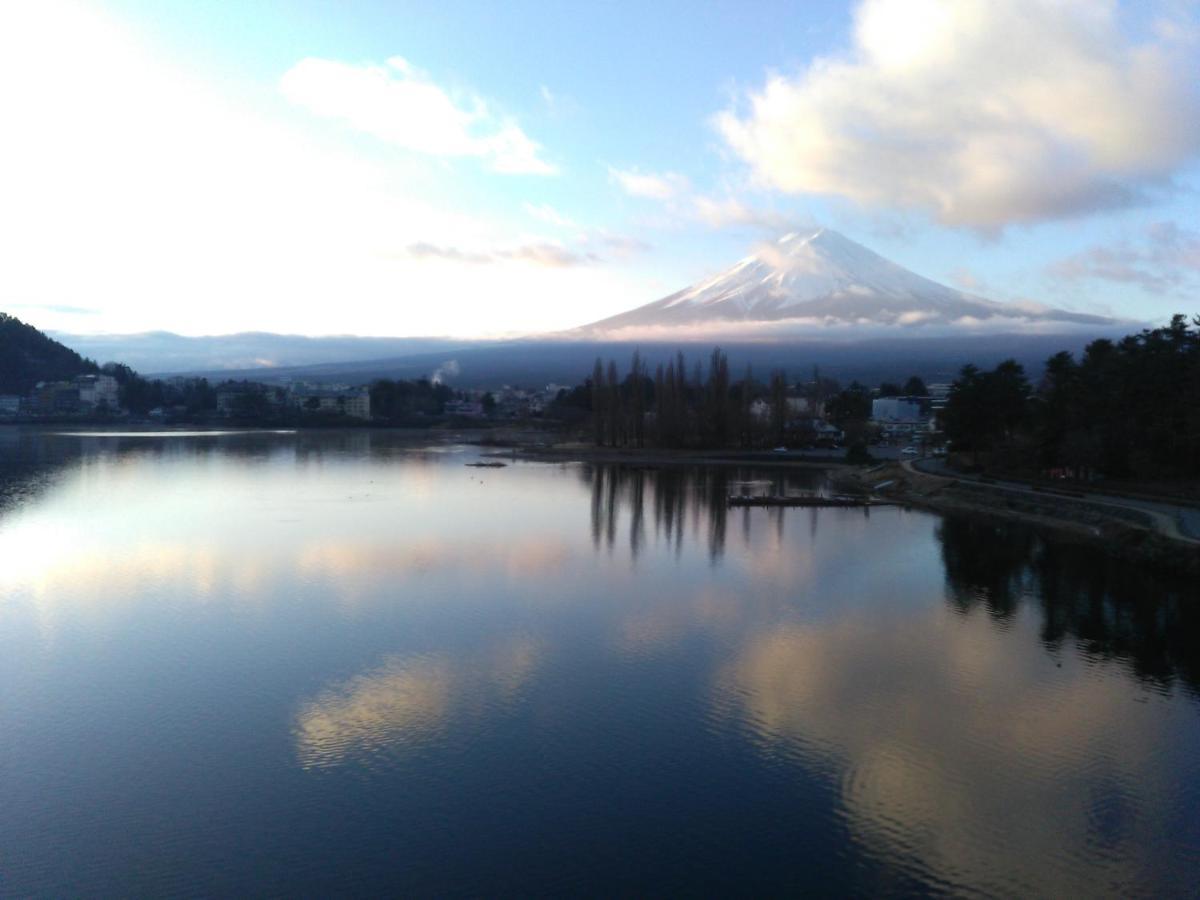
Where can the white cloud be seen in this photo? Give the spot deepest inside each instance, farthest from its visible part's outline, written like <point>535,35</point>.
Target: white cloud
<point>622,245</point>
<point>730,211</point>
<point>537,253</point>
<point>662,186</point>
<point>398,104</point>
<point>979,113</point>
<point>1164,258</point>
<point>964,278</point>
<point>133,188</point>
<point>544,212</point>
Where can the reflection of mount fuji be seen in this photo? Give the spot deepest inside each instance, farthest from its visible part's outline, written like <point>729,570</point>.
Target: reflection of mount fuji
<point>808,283</point>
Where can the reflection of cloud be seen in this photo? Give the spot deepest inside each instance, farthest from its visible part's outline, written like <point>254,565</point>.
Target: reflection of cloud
<point>664,625</point>
<point>369,712</point>
<point>405,700</point>
<point>344,560</point>
<point>956,752</point>
<point>38,564</point>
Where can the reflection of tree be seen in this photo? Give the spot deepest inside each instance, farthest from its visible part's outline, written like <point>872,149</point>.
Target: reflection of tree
<point>669,508</point>
<point>1120,611</point>
<point>636,526</point>
<point>713,484</point>
<point>985,562</point>
<point>596,477</point>
<point>695,497</point>
<point>1112,609</point>
<point>29,464</point>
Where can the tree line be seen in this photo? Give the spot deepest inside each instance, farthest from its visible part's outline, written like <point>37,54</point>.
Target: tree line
<point>393,401</point>
<point>1125,408</point>
<point>702,405</point>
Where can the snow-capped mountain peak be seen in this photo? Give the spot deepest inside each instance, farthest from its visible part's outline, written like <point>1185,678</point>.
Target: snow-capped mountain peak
<point>815,281</point>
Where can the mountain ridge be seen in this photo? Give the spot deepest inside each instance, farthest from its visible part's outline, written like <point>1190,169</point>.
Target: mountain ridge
<point>28,356</point>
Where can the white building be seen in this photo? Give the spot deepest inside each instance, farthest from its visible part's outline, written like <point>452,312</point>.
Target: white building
<point>353,402</point>
<point>896,409</point>
<point>96,391</point>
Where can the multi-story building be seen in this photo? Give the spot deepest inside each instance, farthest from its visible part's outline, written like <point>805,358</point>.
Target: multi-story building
<point>353,402</point>
<point>54,398</point>
<point>98,392</point>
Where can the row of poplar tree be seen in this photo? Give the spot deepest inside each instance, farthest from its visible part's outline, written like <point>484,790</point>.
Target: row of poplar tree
<point>678,406</point>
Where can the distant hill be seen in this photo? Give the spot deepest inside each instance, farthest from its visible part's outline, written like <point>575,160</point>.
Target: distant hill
<point>160,352</point>
<point>27,356</point>
<point>533,363</point>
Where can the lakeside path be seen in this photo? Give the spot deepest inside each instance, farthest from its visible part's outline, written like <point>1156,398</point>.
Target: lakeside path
<point>1176,521</point>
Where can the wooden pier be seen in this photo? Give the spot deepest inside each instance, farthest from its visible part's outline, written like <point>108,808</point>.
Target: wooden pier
<point>840,500</point>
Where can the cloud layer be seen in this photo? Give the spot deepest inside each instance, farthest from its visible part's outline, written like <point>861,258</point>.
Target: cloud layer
<point>1166,257</point>
<point>541,253</point>
<point>400,105</point>
<point>979,114</point>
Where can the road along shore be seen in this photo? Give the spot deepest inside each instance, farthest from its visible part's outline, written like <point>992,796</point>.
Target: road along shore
<point>1139,535</point>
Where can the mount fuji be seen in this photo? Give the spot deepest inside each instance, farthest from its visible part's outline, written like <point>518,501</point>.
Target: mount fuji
<point>811,298</point>
<point>820,283</point>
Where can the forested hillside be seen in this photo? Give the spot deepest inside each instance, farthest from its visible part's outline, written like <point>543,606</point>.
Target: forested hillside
<point>27,356</point>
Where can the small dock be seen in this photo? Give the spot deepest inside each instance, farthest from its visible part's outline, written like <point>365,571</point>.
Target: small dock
<point>840,500</point>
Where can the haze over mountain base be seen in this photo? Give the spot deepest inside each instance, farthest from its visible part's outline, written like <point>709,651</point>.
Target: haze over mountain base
<point>815,298</point>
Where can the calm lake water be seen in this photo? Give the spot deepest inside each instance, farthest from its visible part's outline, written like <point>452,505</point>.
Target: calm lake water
<point>316,663</point>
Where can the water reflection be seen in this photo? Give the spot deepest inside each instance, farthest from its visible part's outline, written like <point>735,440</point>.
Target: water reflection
<point>395,654</point>
<point>966,761</point>
<point>406,700</point>
<point>1113,610</point>
<point>682,496</point>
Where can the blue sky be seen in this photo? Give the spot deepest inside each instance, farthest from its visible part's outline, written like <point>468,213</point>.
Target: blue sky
<point>487,169</point>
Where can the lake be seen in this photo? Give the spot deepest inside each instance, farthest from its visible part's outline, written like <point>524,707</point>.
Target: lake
<point>348,662</point>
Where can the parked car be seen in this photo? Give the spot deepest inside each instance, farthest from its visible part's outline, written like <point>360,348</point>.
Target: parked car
<point>909,451</point>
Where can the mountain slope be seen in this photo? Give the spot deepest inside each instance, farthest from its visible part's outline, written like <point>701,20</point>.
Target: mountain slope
<point>821,281</point>
<point>27,356</point>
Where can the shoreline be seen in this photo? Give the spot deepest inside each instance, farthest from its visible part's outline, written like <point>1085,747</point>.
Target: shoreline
<point>650,456</point>
<point>1138,536</point>
<point>1134,535</point>
<point>1114,523</point>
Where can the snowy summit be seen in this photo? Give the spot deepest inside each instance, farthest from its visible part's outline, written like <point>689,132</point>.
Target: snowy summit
<point>818,282</point>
